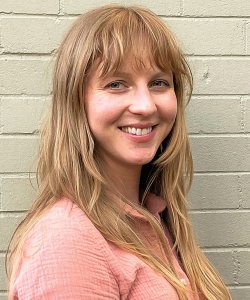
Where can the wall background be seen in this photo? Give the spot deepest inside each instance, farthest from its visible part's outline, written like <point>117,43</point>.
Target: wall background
<point>216,37</point>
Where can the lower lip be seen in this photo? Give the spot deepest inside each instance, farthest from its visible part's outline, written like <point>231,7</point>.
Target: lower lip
<point>141,138</point>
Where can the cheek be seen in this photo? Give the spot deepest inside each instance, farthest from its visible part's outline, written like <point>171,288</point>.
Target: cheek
<point>101,111</point>
<point>170,110</point>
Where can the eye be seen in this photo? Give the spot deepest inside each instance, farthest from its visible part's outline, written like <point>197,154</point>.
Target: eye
<point>159,84</point>
<point>115,85</point>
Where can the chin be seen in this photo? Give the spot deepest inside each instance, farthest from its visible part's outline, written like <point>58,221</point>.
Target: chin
<point>142,160</point>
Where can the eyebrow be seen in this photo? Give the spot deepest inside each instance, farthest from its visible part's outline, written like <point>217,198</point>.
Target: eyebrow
<point>128,74</point>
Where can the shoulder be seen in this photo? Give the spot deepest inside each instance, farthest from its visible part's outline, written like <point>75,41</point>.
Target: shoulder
<point>67,256</point>
<point>64,223</point>
<point>64,214</point>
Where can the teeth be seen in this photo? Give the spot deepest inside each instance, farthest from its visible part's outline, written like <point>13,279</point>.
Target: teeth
<point>137,131</point>
<point>145,131</point>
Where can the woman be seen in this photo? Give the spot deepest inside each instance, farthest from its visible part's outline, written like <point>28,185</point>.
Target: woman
<point>110,220</point>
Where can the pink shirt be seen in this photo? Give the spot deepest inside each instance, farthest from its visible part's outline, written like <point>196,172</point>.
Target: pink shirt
<point>66,257</point>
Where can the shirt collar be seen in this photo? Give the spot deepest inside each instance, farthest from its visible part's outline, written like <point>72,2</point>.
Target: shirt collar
<point>154,204</point>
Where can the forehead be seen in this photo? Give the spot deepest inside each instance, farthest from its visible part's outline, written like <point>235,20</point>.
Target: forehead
<point>131,64</point>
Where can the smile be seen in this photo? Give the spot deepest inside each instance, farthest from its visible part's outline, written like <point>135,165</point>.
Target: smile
<point>137,131</point>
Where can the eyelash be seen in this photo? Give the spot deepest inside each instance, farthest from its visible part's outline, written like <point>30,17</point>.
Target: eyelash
<point>114,82</point>
<point>166,84</point>
<point>150,85</point>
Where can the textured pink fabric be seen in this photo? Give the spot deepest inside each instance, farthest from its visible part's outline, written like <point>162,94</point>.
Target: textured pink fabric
<point>66,257</point>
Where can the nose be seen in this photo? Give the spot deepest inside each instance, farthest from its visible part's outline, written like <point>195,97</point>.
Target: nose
<point>143,102</point>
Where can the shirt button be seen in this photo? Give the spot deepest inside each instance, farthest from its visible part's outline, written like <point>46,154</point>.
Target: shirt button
<point>183,280</point>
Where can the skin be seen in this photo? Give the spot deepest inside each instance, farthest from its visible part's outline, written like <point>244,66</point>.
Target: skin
<point>135,98</point>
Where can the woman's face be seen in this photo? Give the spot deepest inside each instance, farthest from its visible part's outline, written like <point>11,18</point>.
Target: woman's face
<point>130,113</point>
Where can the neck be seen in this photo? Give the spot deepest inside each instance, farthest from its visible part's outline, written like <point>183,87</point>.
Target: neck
<point>123,178</point>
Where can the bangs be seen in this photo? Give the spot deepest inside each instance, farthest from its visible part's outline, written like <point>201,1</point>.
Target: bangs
<point>143,37</point>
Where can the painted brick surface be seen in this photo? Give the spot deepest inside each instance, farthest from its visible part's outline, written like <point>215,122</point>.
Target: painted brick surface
<point>216,8</point>
<point>161,7</point>
<point>33,34</point>
<point>14,112</point>
<point>221,153</point>
<point>208,36</point>
<point>220,229</point>
<point>210,74</point>
<point>17,192</point>
<point>25,75</point>
<point>220,114</point>
<point>2,277</point>
<point>248,38</point>
<point>216,37</point>
<point>241,293</point>
<point>224,262</point>
<point>8,223</point>
<point>29,7</point>
<point>244,271</point>
<point>215,191</point>
<point>17,154</point>
<point>245,190</point>
<point>247,114</point>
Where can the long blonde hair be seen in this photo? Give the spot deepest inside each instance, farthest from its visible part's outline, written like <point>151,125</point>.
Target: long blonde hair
<point>68,164</point>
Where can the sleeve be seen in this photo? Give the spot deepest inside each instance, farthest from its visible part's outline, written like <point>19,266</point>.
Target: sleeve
<point>70,263</point>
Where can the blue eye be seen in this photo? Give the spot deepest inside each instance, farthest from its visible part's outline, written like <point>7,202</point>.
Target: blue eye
<point>115,85</point>
<point>159,84</point>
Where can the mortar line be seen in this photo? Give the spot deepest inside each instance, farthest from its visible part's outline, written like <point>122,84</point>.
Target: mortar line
<point>177,16</point>
<point>244,33</point>
<point>239,184</point>
<point>182,7</point>
<point>226,173</point>
<point>221,134</point>
<point>1,193</point>
<point>243,113</point>
<point>236,264</point>
<point>199,56</point>
<point>236,287</point>
<point>225,249</point>
<point>219,211</point>
<point>241,287</point>
<point>59,3</point>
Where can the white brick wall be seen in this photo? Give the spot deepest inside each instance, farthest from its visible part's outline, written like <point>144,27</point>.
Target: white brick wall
<point>215,35</point>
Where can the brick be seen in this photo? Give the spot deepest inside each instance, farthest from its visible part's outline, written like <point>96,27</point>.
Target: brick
<point>240,293</point>
<point>161,7</point>
<point>247,115</point>
<point>221,75</point>
<point>209,36</point>
<point>222,229</point>
<point>214,191</point>
<point>33,34</point>
<point>32,6</point>
<point>8,224</point>
<point>221,153</point>
<point>17,154</point>
<point>18,193</point>
<point>22,115</point>
<point>245,184</point>
<point>244,267</point>
<point>216,8</point>
<point>248,38</point>
<point>25,75</point>
<point>213,114</point>
<point>3,283</point>
<point>223,262</point>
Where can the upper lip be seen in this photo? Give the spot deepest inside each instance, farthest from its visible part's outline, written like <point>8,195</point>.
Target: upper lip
<point>140,125</point>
